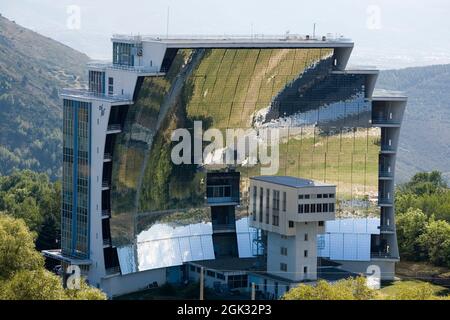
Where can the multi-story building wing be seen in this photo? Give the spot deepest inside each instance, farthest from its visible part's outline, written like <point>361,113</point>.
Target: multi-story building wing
<point>131,216</point>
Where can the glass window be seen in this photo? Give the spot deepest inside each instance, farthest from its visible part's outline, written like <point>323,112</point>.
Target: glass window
<point>284,201</point>
<point>300,208</point>
<point>110,85</point>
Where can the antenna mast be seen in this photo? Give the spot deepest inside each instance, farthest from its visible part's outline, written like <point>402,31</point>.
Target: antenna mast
<point>167,26</point>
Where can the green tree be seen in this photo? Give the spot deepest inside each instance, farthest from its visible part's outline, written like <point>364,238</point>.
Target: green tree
<point>436,241</point>
<point>22,273</point>
<point>425,183</point>
<point>348,289</point>
<point>85,292</point>
<point>17,250</point>
<point>32,197</point>
<point>37,284</point>
<point>410,225</point>
<point>420,291</point>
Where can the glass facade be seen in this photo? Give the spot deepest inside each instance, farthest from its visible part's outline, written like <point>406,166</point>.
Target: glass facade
<point>75,187</point>
<point>97,82</point>
<point>123,53</point>
<point>323,117</point>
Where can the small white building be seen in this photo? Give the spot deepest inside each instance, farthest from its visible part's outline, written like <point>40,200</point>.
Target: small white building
<point>292,212</point>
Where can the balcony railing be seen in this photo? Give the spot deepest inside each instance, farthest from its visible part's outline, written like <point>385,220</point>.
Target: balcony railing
<point>114,127</point>
<point>220,194</point>
<point>106,213</point>
<point>385,120</point>
<point>106,242</point>
<point>105,185</point>
<point>385,228</point>
<point>107,157</point>
<point>382,255</point>
<point>111,66</point>
<point>224,227</point>
<point>84,93</point>
<point>385,174</point>
<point>386,147</point>
<point>384,200</point>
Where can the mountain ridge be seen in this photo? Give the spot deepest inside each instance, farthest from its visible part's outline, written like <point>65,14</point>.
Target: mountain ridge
<point>32,70</point>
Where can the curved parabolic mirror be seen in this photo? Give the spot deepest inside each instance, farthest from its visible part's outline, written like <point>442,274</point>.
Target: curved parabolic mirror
<point>322,117</point>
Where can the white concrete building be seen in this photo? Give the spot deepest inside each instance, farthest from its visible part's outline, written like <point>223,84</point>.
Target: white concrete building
<point>292,211</point>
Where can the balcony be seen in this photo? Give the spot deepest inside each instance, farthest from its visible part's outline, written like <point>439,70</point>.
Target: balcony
<point>106,214</point>
<point>386,229</point>
<point>106,242</point>
<point>385,201</point>
<point>113,128</point>
<point>385,175</point>
<point>224,228</point>
<point>385,148</point>
<point>220,195</point>
<point>107,157</point>
<point>382,255</point>
<point>385,121</point>
<point>90,95</point>
<point>105,185</point>
<point>141,70</point>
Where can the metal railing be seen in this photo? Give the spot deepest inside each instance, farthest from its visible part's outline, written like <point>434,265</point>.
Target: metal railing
<point>107,157</point>
<point>385,174</point>
<point>85,93</point>
<point>383,200</point>
<point>105,184</point>
<point>114,127</point>
<point>385,120</point>
<point>107,242</point>
<point>112,66</point>
<point>386,147</point>
<point>106,213</point>
<point>386,228</point>
<point>244,37</point>
<point>385,255</point>
<point>224,227</point>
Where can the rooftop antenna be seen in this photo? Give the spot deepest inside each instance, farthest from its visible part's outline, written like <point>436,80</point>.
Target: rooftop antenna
<point>167,26</point>
<point>314,30</point>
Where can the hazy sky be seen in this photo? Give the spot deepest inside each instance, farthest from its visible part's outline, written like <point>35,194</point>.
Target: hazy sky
<point>387,33</point>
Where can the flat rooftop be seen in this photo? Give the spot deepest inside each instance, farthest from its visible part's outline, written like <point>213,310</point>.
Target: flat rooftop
<point>242,41</point>
<point>292,181</point>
